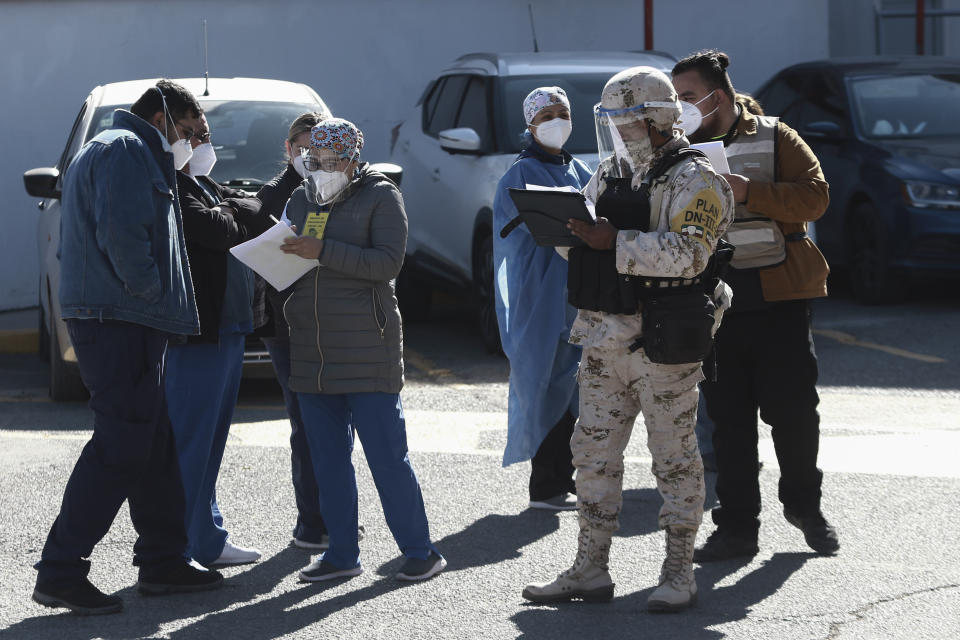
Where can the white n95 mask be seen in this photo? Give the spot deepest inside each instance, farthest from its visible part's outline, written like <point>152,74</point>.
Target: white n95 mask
<point>202,160</point>
<point>690,119</point>
<point>299,168</point>
<point>182,152</point>
<point>329,184</point>
<point>554,133</point>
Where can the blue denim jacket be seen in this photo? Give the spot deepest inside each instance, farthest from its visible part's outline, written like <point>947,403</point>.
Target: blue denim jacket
<point>122,252</point>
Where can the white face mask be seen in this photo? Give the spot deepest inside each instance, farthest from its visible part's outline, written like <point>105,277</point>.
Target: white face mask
<point>202,160</point>
<point>182,152</point>
<point>329,184</point>
<point>299,168</point>
<point>691,119</point>
<point>553,133</point>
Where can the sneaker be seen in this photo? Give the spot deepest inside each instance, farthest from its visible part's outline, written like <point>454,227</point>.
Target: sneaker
<point>80,597</point>
<point>180,578</point>
<point>233,554</point>
<point>421,569</point>
<point>562,502</point>
<point>320,570</point>
<point>324,543</point>
<point>819,534</point>
<point>724,544</point>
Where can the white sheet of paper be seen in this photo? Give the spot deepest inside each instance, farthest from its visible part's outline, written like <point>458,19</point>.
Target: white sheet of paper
<point>540,187</point>
<point>263,255</point>
<point>715,154</point>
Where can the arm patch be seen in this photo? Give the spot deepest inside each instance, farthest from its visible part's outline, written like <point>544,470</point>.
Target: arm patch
<point>700,218</point>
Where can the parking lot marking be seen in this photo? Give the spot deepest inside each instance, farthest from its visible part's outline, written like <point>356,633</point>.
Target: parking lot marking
<point>846,338</point>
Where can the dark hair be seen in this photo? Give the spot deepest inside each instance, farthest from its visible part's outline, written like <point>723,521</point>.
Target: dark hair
<point>180,102</point>
<point>750,103</point>
<point>712,67</point>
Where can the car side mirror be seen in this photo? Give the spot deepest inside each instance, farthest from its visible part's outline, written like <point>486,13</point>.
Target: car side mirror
<point>460,140</point>
<point>393,171</point>
<point>822,130</point>
<point>42,183</point>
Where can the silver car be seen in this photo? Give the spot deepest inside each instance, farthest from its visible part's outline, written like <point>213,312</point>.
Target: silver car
<point>462,137</point>
<point>249,118</point>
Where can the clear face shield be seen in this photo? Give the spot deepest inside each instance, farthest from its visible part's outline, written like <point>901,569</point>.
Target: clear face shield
<point>325,177</point>
<point>623,138</point>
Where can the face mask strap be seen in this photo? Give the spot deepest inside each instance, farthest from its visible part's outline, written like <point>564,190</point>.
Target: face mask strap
<point>167,117</point>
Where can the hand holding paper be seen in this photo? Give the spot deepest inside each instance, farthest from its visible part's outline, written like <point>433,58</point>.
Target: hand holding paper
<point>263,254</point>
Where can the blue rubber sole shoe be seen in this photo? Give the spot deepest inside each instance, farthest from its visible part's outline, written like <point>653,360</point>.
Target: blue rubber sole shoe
<point>421,569</point>
<point>320,570</point>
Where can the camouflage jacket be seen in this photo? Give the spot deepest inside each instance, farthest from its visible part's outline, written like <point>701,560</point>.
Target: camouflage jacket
<point>696,205</point>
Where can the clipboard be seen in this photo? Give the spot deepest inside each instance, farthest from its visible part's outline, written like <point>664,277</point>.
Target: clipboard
<point>546,214</point>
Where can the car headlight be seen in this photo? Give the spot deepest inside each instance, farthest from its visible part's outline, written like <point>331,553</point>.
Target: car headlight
<point>932,195</point>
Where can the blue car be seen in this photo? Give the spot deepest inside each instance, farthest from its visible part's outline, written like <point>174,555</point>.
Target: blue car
<point>887,133</point>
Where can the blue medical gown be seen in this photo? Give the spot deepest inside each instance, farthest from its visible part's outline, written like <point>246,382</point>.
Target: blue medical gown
<point>532,309</point>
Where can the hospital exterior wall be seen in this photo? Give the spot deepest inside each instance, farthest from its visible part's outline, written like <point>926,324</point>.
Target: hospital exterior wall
<point>369,60</point>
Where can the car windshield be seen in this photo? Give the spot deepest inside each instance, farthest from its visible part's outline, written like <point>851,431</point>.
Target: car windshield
<point>248,137</point>
<point>583,90</point>
<point>908,106</point>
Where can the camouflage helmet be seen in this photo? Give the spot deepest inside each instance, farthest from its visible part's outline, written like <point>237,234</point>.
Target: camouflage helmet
<point>641,93</point>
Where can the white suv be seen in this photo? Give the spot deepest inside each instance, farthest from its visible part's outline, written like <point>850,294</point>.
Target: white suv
<point>249,118</point>
<point>464,135</point>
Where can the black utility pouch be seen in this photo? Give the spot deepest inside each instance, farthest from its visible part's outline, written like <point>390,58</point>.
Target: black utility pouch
<point>677,328</point>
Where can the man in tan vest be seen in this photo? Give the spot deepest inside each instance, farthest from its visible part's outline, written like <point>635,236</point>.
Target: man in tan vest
<point>764,348</point>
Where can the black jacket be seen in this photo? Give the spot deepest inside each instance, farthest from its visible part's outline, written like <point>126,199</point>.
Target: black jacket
<point>210,230</point>
<point>274,196</point>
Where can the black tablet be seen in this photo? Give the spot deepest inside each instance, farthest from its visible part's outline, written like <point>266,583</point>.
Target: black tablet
<point>546,214</point>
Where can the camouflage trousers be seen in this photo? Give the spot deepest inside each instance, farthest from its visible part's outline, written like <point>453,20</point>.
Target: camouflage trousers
<point>616,386</point>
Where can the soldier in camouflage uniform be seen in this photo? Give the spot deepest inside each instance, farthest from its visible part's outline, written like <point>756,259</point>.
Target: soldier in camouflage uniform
<point>690,209</point>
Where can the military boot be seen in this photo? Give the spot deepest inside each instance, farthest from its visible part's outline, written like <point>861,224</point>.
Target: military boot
<point>587,579</point>
<point>678,588</point>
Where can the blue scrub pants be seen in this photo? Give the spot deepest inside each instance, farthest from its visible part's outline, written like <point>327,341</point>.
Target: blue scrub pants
<point>705,428</point>
<point>130,455</point>
<point>310,526</point>
<point>380,425</point>
<point>202,385</point>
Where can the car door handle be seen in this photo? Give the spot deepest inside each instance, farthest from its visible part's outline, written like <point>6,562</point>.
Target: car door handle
<point>436,175</point>
<point>42,205</point>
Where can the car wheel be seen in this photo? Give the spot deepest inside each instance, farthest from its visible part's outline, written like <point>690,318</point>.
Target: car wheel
<point>484,290</point>
<point>43,346</point>
<point>414,296</point>
<point>65,382</point>
<point>871,277</point>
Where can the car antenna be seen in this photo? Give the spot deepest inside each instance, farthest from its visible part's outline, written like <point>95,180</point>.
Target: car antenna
<point>206,66</point>
<point>533,29</point>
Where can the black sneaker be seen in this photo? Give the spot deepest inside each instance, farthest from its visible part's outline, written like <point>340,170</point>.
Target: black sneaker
<point>179,578</point>
<point>420,569</point>
<point>819,534</point>
<point>80,597</point>
<point>320,570</point>
<point>724,544</point>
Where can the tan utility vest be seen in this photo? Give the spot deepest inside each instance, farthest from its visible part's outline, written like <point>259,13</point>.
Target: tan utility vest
<point>758,239</point>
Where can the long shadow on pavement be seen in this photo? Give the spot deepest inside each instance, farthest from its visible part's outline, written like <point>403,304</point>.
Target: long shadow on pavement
<point>627,615</point>
<point>143,616</point>
<point>491,539</point>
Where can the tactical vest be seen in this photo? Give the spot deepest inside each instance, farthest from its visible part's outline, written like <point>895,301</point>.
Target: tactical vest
<point>758,240</point>
<point>593,282</point>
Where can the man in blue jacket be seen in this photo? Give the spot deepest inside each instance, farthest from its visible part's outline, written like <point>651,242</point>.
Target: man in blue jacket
<point>125,287</point>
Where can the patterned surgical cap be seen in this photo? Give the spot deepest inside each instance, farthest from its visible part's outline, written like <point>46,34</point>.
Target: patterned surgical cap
<point>338,135</point>
<point>539,99</point>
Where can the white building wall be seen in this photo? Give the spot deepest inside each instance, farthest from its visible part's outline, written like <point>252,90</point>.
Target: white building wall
<point>368,59</point>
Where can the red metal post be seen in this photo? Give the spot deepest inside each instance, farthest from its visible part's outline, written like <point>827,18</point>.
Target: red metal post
<point>648,24</point>
<point>920,24</point>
